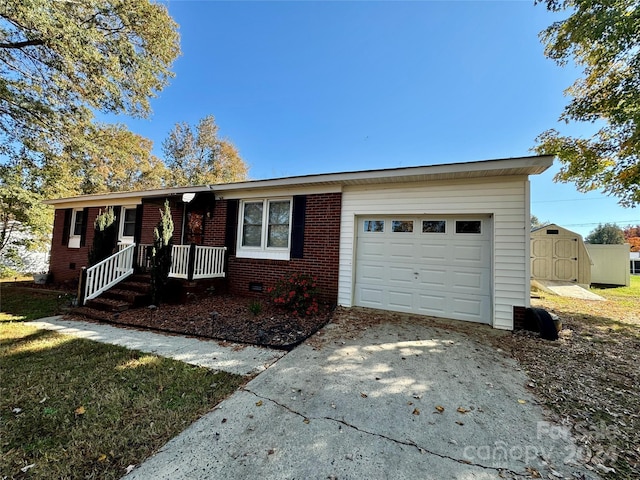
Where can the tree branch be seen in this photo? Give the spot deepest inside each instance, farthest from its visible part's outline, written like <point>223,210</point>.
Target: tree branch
<point>23,44</point>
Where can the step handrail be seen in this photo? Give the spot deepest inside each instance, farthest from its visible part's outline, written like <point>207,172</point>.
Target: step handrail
<point>105,274</point>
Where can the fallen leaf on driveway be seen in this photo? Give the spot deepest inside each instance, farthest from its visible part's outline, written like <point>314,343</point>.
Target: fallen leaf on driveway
<point>259,403</point>
<point>363,395</point>
<point>306,420</point>
<point>129,469</point>
<point>416,411</point>
<point>522,401</point>
<point>460,423</point>
<point>439,408</point>
<point>462,410</point>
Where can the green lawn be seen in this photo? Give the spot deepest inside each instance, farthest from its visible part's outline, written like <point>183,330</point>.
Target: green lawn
<point>73,408</point>
<point>19,302</point>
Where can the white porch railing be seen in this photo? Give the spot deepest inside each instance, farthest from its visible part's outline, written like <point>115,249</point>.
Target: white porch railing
<point>209,262</point>
<point>180,261</point>
<point>105,274</point>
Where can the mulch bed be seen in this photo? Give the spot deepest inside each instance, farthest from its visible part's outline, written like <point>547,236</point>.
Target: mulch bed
<point>226,317</point>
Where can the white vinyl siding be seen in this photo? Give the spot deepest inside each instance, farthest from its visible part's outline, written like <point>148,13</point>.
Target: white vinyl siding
<point>503,198</point>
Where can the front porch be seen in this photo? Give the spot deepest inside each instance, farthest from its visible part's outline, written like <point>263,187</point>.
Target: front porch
<point>188,262</point>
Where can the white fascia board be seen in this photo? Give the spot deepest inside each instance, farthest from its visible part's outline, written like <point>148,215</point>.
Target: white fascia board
<point>320,182</point>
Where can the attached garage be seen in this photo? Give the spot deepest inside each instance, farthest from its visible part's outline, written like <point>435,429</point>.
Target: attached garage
<point>443,240</point>
<point>429,264</point>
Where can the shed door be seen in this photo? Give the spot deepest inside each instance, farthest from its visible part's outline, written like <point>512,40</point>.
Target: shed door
<point>429,265</point>
<point>554,259</point>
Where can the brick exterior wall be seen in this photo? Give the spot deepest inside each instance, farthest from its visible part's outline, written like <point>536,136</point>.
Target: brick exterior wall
<point>151,216</point>
<point>66,263</point>
<point>320,256</point>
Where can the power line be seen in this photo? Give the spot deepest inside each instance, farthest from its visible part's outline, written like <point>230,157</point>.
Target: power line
<point>570,200</point>
<point>624,222</point>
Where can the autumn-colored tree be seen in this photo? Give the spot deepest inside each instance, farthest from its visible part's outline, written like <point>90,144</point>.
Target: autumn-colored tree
<point>111,159</point>
<point>602,38</point>
<point>197,156</point>
<point>632,237</point>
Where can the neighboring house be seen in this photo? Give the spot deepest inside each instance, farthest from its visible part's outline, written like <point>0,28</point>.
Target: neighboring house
<point>559,255</point>
<point>634,263</point>
<point>443,240</point>
<point>16,256</point>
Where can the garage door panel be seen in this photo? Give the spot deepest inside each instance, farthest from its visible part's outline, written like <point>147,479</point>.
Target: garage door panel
<point>470,255</point>
<point>432,278</point>
<point>371,297</point>
<point>431,304</point>
<point>471,308</point>
<point>400,300</point>
<point>401,275</point>
<point>372,250</point>
<point>475,282</point>
<point>436,253</point>
<point>447,275</point>
<point>372,273</point>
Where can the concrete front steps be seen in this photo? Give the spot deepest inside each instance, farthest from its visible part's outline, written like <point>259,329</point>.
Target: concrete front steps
<point>133,292</point>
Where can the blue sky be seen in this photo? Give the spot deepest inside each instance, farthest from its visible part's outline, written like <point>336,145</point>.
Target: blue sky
<point>312,87</point>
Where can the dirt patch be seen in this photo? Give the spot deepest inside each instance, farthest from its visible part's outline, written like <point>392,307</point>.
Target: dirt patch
<point>228,318</point>
<point>589,379</point>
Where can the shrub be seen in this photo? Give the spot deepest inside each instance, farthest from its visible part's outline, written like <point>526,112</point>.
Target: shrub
<point>296,293</point>
<point>255,308</point>
<point>161,255</point>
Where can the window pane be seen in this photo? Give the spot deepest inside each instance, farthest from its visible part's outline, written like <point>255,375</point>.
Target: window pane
<point>278,234</point>
<point>252,226</point>
<point>129,225</point>
<point>374,225</point>
<point>468,226</point>
<point>434,226</point>
<point>77,225</point>
<point>402,226</point>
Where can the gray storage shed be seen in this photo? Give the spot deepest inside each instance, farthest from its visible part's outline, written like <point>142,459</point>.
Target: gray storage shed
<point>559,255</point>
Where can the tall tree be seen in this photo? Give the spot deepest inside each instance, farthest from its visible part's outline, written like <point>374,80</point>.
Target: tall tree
<point>602,38</point>
<point>608,234</point>
<point>108,158</point>
<point>60,61</point>
<point>197,156</point>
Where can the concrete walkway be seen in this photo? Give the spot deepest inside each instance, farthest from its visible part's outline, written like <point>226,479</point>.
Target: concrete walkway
<point>226,356</point>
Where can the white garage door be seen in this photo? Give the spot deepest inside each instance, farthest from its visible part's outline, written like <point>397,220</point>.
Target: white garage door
<point>430,265</point>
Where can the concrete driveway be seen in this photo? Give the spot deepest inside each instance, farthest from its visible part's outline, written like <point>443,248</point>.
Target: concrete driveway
<point>388,398</point>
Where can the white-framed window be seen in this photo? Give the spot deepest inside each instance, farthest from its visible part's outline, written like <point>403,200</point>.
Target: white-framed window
<point>264,228</point>
<point>127,228</point>
<point>75,234</point>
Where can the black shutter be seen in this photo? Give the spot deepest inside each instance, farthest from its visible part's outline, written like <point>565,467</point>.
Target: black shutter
<point>297,229</point>
<point>83,233</point>
<point>137,235</point>
<point>66,227</point>
<point>232,226</point>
